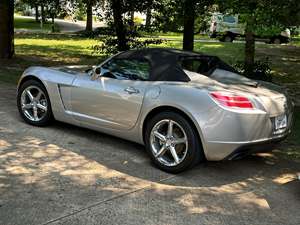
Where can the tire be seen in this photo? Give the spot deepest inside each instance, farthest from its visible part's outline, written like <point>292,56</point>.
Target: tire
<point>189,154</point>
<point>277,41</point>
<point>40,102</point>
<point>228,38</point>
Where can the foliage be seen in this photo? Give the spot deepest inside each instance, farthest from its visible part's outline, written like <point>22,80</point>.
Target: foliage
<point>168,16</point>
<point>138,21</point>
<point>261,69</point>
<point>261,16</point>
<point>109,44</point>
<point>100,31</point>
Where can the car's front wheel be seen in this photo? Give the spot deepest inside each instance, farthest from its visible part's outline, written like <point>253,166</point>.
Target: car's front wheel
<point>172,142</point>
<point>34,103</point>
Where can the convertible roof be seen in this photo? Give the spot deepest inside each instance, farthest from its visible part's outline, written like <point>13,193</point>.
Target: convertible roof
<point>164,62</point>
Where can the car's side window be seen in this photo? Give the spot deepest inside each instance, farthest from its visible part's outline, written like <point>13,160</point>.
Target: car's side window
<point>129,69</point>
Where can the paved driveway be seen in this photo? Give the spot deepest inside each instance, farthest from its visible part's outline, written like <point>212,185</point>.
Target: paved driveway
<point>67,175</point>
<point>65,26</point>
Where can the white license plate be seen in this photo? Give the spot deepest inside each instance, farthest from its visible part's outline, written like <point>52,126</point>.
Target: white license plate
<point>280,122</point>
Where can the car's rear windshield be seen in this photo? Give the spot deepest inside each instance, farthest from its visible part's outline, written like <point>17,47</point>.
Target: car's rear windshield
<point>204,65</point>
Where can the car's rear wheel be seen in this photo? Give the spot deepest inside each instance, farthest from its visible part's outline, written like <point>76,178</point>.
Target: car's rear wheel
<point>34,103</point>
<point>172,142</point>
<point>228,38</point>
<point>277,41</point>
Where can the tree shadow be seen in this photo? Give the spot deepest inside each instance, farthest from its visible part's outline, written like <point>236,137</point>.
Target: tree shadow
<point>50,172</point>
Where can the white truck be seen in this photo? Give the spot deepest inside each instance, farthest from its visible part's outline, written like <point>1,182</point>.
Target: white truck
<point>227,28</point>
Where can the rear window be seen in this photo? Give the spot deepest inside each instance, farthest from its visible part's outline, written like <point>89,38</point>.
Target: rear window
<point>204,65</point>
<point>196,65</point>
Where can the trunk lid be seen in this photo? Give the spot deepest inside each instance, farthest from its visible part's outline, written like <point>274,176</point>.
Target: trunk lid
<point>266,96</point>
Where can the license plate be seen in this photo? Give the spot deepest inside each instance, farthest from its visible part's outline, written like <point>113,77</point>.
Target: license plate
<point>280,122</point>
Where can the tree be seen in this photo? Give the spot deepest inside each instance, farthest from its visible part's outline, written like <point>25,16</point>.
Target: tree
<point>117,8</point>
<point>89,14</point>
<point>148,18</point>
<point>7,28</point>
<point>189,23</point>
<point>173,15</point>
<point>259,14</point>
<point>122,25</point>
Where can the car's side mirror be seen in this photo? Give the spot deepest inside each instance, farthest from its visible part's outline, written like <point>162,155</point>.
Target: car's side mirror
<point>96,73</point>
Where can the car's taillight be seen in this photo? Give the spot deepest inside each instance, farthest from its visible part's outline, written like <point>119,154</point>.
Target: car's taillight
<point>232,100</point>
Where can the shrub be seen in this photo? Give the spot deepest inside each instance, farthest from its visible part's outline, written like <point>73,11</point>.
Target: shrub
<point>109,43</point>
<point>261,69</point>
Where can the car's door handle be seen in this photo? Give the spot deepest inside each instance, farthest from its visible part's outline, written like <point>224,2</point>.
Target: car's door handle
<point>131,90</point>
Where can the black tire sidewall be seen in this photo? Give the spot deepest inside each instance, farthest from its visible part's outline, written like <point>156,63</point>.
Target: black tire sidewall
<point>277,41</point>
<point>49,116</point>
<point>194,153</point>
<point>228,39</point>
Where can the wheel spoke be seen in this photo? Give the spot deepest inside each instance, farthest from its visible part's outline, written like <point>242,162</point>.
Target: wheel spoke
<point>179,140</point>
<point>39,95</point>
<point>170,128</point>
<point>28,115</point>
<point>35,113</point>
<point>29,95</point>
<point>42,107</point>
<point>159,136</point>
<point>174,154</point>
<point>162,151</point>
<point>26,106</point>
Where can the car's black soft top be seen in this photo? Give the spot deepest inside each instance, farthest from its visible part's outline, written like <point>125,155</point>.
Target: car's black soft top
<point>164,62</point>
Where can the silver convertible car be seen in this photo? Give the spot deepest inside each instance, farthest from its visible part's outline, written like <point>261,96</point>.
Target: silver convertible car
<point>185,107</point>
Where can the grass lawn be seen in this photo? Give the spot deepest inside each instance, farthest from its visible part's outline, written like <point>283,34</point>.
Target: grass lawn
<point>31,24</point>
<point>63,49</point>
<point>47,50</point>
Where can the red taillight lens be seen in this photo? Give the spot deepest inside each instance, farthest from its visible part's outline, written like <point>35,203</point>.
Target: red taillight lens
<point>232,100</point>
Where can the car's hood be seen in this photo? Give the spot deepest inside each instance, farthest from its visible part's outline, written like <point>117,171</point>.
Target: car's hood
<point>271,96</point>
<point>73,69</point>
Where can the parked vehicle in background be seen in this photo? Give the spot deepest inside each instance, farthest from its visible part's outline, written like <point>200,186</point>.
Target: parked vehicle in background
<point>227,28</point>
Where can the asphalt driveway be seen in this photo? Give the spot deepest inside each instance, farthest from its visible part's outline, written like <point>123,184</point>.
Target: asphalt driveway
<point>68,175</point>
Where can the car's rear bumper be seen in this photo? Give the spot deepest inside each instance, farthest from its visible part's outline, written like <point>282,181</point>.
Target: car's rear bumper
<point>247,149</point>
<point>254,133</point>
<point>234,150</point>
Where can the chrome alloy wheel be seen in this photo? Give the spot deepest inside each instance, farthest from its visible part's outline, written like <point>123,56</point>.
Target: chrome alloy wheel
<point>34,103</point>
<point>169,143</point>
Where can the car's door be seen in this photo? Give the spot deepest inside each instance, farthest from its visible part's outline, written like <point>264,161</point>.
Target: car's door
<point>114,99</point>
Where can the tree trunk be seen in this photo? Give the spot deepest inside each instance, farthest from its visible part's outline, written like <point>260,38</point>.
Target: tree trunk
<point>131,20</point>
<point>36,7</point>
<point>89,16</point>
<point>53,23</point>
<point>148,18</point>
<point>43,14</point>
<point>189,21</point>
<point>116,6</point>
<point>249,50</point>
<point>7,29</point>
